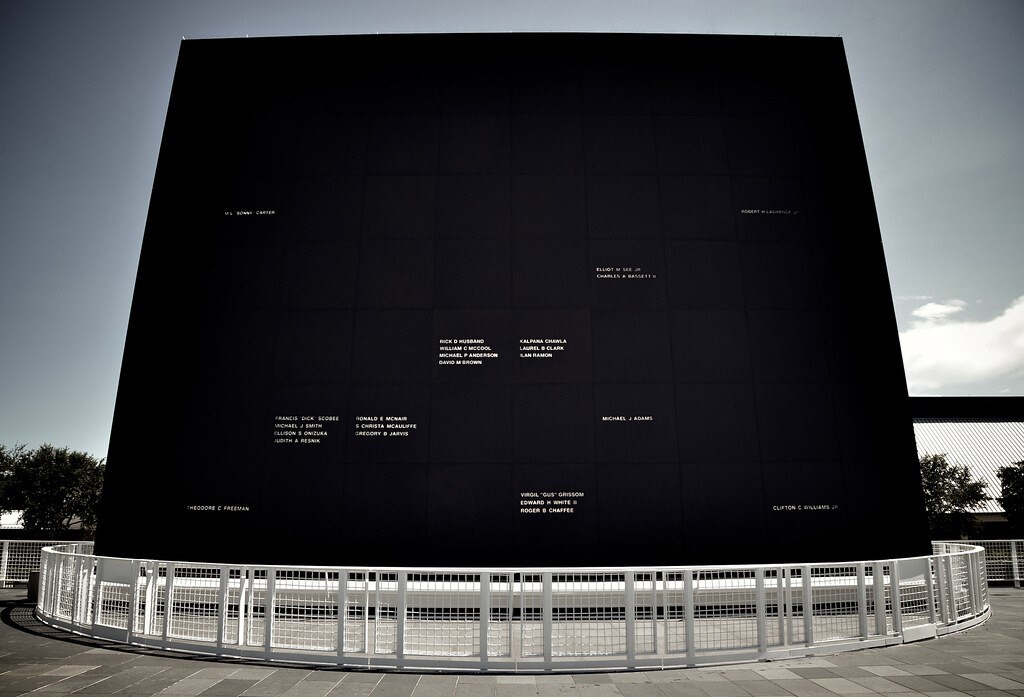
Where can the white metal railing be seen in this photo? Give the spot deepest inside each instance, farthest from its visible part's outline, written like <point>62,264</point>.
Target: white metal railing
<point>1004,559</point>
<point>513,620</point>
<point>18,558</point>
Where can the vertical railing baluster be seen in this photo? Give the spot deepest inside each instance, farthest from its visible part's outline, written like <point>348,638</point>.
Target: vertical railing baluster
<point>688,614</point>
<point>762,619</point>
<point>548,610</point>
<point>807,596</point>
<point>268,611</point>
<point>402,578</point>
<point>894,596</point>
<point>862,601</point>
<point>342,612</point>
<point>878,579</point>
<point>629,591</point>
<point>485,616</point>
<point>168,600</point>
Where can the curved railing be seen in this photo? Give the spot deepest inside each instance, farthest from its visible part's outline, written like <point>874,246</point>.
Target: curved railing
<point>513,620</point>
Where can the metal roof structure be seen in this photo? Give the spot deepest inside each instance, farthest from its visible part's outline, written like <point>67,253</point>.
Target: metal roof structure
<point>983,445</point>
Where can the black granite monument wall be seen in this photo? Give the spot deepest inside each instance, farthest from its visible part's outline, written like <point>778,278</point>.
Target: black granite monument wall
<point>512,299</point>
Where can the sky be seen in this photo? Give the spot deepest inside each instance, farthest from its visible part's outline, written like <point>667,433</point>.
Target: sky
<point>84,88</point>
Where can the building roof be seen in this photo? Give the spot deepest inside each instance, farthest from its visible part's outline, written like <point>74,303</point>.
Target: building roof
<point>984,445</point>
<point>11,520</point>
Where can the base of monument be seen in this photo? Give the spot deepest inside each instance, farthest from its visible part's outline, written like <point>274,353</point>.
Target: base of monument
<point>504,620</point>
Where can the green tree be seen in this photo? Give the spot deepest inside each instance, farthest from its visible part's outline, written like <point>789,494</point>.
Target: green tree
<point>54,488</point>
<point>950,496</point>
<point>1011,477</point>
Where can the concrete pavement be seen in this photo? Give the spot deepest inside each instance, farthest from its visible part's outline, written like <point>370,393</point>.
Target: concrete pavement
<point>987,661</point>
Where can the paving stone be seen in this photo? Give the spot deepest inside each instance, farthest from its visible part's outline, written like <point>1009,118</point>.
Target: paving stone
<point>723,689</point>
<point>814,672</point>
<point>806,688</point>
<point>608,689</point>
<point>765,688</point>
<point>67,671</point>
<point>360,676</point>
<point>886,670</point>
<point>69,685</point>
<point>189,687</point>
<point>434,686</point>
<point>363,689</point>
<point>916,683</point>
<point>276,684</point>
<point>229,687</point>
<point>999,682</point>
<point>841,686</point>
<point>958,682</point>
<point>745,675</point>
<point>475,689</point>
<point>777,674</point>
<point>630,678</point>
<point>679,689</point>
<point>669,676</point>
<point>545,689</point>
<point>503,689</point>
<point>849,672</point>
<point>703,676</point>
<point>319,688</point>
<point>880,685</point>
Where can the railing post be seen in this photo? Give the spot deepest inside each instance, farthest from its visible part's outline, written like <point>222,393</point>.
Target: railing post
<point>485,616</point>
<point>342,611</point>
<point>688,613</point>
<point>548,619</point>
<point>940,576</point>
<point>403,578</point>
<point>954,610</point>
<point>974,579</point>
<point>133,599</point>
<point>878,580</point>
<point>762,619</point>
<point>244,605</point>
<point>894,596</point>
<point>862,601</point>
<point>366,610</point>
<point>168,600</point>
<point>929,590</point>
<point>222,605</point>
<point>629,590</point>
<point>152,575</point>
<point>1015,569</point>
<point>78,578</point>
<point>781,603</point>
<point>807,594</point>
<point>268,611</point>
<point>4,557</point>
<point>97,598</point>
<point>654,612</point>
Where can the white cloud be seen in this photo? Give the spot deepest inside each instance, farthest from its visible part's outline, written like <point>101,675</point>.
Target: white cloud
<point>940,352</point>
<point>931,312</point>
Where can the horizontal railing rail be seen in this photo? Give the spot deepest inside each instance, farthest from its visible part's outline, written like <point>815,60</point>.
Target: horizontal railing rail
<point>513,619</point>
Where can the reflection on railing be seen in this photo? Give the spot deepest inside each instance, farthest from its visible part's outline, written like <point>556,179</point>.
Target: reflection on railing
<point>508,619</point>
